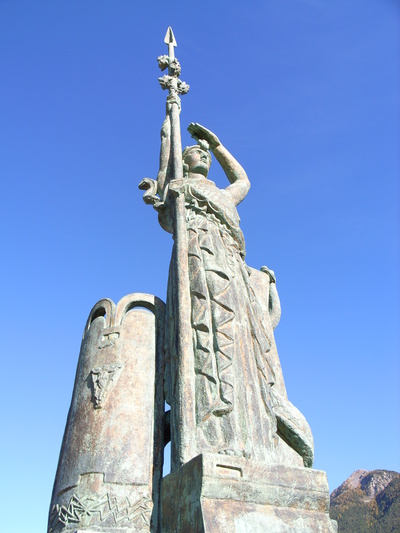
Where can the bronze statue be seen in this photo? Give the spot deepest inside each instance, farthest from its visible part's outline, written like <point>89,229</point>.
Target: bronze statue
<point>223,377</point>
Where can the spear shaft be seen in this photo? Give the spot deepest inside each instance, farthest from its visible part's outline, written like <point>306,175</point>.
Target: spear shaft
<point>183,423</point>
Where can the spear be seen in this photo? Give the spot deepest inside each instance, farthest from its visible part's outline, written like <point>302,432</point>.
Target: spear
<point>183,423</point>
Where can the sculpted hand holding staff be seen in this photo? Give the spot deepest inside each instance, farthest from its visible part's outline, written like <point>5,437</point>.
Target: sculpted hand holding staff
<point>223,378</point>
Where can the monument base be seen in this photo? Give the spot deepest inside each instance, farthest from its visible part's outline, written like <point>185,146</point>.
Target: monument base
<point>216,493</point>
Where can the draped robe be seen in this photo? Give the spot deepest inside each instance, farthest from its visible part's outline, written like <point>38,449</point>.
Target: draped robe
<point>230,342</point>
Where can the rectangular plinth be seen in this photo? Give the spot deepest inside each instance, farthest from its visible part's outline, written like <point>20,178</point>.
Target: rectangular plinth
<point>216,493</point>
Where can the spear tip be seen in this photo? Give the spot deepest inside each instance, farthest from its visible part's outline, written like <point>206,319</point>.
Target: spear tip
<point>170,37</point>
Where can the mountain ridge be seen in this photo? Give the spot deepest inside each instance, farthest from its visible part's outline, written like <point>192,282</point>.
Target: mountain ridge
<point>368,502</point>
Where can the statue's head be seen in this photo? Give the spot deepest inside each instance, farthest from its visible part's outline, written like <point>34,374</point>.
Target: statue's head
<point>196,159</point>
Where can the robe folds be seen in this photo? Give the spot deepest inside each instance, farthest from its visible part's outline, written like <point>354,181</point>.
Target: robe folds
<point>232,374</point>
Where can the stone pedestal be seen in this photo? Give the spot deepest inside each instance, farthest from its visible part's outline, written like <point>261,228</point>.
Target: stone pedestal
<point>216,494</point>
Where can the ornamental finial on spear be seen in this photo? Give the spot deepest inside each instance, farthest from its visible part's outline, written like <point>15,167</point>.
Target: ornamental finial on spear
<point>174,68</point>
<point>171,146</point>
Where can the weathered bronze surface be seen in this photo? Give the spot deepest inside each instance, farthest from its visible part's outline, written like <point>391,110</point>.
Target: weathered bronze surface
<point>223,377</point>
<point>111,459</point>
<point>214,494</point>
<point>241,452</point>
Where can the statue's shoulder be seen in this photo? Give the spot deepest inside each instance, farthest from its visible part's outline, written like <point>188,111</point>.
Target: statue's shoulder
<point>209,190</point>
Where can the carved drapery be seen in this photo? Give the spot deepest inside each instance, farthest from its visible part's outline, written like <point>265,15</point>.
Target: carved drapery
<point>230,342</point>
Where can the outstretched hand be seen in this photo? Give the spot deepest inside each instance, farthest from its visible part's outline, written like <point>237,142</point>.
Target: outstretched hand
<point>200,133</point>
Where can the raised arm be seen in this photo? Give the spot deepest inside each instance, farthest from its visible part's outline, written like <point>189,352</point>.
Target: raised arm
<point>165,151</point>
<point>164,156</point>
<point>155,189</point>
<point>235,173</point>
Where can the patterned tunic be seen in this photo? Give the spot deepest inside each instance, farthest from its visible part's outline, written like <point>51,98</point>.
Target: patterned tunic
<point>230,341</point>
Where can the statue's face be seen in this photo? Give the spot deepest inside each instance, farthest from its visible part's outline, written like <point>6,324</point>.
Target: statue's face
<point>197,160</point>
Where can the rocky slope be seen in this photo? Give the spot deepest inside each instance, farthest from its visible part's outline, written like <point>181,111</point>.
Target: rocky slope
<point>368,502</point>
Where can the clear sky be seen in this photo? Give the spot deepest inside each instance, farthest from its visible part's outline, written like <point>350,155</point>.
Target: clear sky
<point>305,94</point>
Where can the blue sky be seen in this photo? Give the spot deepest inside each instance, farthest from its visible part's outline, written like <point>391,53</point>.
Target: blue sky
<point>305,94</point>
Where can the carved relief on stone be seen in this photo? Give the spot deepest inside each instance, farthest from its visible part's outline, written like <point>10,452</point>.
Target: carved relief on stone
<point>170,82</point>
<point>109,338</point>
<point>94,509</point>
<point>167,62</point>
<point>112,451</point>
<point>104,379</point>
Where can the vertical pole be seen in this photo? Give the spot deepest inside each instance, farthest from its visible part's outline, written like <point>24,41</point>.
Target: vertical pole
<point>183,421</point>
